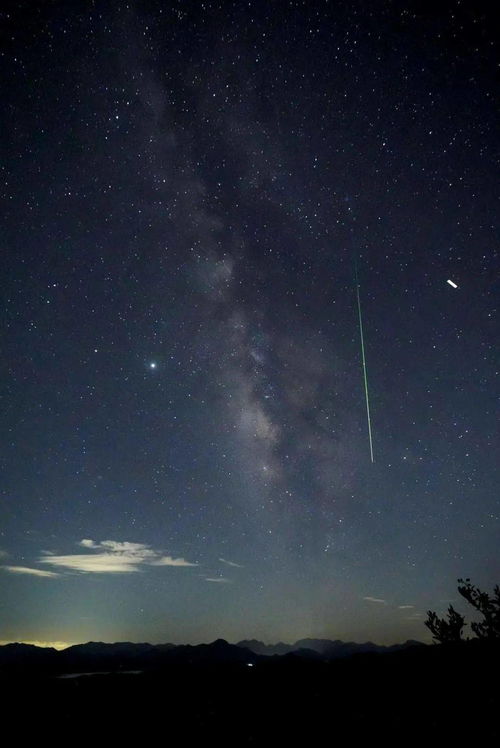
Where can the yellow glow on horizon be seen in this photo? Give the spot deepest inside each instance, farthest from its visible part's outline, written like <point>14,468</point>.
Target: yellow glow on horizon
<point>55,645</point>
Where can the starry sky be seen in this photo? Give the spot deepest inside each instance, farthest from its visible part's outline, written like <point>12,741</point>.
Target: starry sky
<point>188,189</point>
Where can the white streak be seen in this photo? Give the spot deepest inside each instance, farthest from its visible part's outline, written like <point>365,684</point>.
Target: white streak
<point>29,570</point>
<point>454,285</point>
<point>231,563</point>
<point>365,375</point>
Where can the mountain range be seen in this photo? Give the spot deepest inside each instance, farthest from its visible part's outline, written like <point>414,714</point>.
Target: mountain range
<point>128,656</point>
<point>329,650</point>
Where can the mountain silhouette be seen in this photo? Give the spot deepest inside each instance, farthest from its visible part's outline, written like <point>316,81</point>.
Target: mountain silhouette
<point>329,649</point>
<point>120,656</point>
<point>293,697</point>
<point>27,655</point>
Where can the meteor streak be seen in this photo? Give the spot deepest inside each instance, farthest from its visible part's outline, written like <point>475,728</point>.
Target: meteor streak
<point>365,377</point>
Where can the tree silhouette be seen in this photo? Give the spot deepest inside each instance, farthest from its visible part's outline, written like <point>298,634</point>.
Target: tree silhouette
<point>446,631</point>
<point>489,607</point>
<point>451,630</point>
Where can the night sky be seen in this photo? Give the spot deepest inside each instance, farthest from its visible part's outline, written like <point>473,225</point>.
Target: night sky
<point>188,188</point>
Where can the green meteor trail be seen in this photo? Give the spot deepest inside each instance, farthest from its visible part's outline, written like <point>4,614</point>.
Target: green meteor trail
<point>364,364</point>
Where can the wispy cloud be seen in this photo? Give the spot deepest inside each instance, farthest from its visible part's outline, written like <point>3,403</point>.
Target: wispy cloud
<point>29,570</point>
<point>169,561</point>
<point>405,607</point>
<point>375,600</point>
<point>221,580</point>
<point>111,557</point>
<point>231,563</point>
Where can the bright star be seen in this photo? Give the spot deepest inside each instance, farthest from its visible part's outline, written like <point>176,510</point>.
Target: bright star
<point>152,365</point>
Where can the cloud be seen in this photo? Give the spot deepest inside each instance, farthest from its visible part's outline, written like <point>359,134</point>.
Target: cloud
<point>169,561</point>
<point>375,600</point>
<point>28,570</point>
<point>222,580</point>
<point>405,607</point>
<point>117,547</point>
<point>86,543</point>
<point>231,563</point>
<point>98,563</point>
<point>112,557</point>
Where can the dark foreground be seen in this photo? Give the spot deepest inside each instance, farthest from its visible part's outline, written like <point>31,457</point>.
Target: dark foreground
<point>419,695</point>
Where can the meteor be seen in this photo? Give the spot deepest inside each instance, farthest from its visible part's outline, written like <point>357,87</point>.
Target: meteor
<point>365,376</point>
<point>452,284</point>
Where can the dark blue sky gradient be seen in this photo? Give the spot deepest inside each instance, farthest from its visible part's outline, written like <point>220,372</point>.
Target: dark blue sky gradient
<point>186,188</point>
